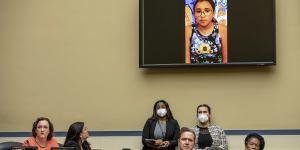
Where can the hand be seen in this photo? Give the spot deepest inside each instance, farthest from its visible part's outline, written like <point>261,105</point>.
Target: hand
<point>165,144</point>
<point>206,148</point>
<point>158,142</point>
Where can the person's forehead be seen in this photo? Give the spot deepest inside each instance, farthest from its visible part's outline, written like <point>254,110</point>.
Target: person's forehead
<point>187,134</point>
<point>254,140</point>
<point>203,4</point>
<point>43,122</point>
<point>160,104</point>
<point>202,108</point>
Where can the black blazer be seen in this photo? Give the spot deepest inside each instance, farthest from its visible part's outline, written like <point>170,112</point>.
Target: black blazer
<point>172,133</point>
<point>72,144</point>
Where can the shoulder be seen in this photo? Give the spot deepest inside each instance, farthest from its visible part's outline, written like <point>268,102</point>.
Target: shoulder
<point>188,28</point>
<point>194,128</point>
<point>222,28</point>
<point>151,120</point>
<point>215,127</point>
<point>173,121</point>
<point>53,142</point>
<point>30,139</point>
<point>71,143</point>
<point>29,142</point>
<point>188,31</point>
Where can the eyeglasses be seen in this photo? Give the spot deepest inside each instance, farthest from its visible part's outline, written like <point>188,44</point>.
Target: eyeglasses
<point>206,12</point>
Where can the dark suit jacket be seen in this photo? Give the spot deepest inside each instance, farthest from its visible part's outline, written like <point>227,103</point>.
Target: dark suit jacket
<point>172,133</point>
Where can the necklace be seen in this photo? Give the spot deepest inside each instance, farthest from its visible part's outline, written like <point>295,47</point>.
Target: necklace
<point>42,146</point>
<point>208,31</point>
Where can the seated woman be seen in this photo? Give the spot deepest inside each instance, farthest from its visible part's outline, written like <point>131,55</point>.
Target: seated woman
<point>77,137</point>
<point>161,131</point>
<point>254,141</point>
<point>42,135</point>
<point>208,135</point>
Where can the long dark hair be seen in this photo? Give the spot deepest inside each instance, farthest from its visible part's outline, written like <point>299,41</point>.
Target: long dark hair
<point>74,134</point>
<point>211,2</point>
<point>213,5</point>
<point>169,113</point>
<point>51,128</point>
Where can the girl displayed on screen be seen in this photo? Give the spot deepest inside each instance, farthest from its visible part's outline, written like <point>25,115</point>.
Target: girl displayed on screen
<point>206,31</point>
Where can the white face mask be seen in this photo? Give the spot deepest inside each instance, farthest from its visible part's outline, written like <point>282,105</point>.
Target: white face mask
<point>203,118</point>
<point>161,112</point>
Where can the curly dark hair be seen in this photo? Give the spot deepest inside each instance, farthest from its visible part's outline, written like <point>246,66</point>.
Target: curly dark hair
<point>51,128</point>
<point>257,136</point>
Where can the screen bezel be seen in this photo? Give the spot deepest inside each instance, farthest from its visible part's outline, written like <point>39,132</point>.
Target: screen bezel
<point>142,63</point>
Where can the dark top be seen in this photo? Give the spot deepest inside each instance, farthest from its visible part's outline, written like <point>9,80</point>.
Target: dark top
<point>204,138</point>
<point>171,135</point>
<point>76,146</point>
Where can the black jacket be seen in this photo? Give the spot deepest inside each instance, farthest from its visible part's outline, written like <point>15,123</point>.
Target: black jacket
<point>76,146</point>
<point>73,144</point>
<point>172,133</point>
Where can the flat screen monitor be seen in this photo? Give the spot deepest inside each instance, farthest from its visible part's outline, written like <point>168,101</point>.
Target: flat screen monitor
<point>62,148</point>
<point>24,148</point>
<point>188,33</point>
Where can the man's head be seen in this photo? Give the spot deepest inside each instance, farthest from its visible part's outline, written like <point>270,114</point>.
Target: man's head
<point>187,139</point>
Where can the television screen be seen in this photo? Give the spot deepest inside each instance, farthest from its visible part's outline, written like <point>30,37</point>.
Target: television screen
<point>207,33</point>
<point>24,148</point>
<point>63,148</point>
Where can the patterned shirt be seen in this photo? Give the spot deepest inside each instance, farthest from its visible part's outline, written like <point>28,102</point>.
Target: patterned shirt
<point>217,134</point>
<point>206,48</point>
